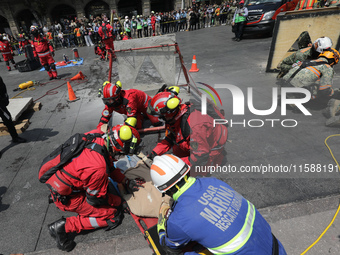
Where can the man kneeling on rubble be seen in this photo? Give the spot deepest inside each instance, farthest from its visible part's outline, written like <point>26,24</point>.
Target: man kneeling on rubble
<point>90,192</point>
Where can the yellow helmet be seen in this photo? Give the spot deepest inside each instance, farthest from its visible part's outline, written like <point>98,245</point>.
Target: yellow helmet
<point>332,55</point>
<point>106,82</point>
<point>119,84</point>
<point>125,133</point>
<point>131,121</point>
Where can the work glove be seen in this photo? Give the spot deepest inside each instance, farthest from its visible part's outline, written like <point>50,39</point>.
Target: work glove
<point>164,213</point>
<point>53,54</point>
<point>135,184</point>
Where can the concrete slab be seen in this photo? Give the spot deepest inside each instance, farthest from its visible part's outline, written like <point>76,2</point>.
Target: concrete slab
<point>161,59</point>
<point>17,106</point>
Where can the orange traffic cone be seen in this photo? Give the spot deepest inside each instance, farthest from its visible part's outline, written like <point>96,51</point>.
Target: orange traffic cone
<point>71,96</point>
<point>79,76</point>
<point>194,66</point>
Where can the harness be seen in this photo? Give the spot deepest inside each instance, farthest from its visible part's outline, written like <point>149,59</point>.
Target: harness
<point>306,64</point>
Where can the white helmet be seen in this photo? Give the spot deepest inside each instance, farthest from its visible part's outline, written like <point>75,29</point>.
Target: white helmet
<point>322,44</point>
<point>167,170</point>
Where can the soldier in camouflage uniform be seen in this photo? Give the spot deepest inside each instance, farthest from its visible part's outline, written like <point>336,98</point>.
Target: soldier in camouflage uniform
<point>321,44</point>
<point>316,75</point>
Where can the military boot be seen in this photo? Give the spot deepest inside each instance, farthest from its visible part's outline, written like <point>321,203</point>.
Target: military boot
<point>57,231</point>
<point>333,121</point>
<point>332,109</point>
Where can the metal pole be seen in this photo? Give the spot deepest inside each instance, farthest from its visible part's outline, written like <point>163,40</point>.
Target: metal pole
<point>110,66</point>
<point>183,66</point>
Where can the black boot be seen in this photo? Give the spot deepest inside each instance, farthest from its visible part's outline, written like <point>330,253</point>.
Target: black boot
<point>57,231</point>
<point>115,221</point>
<point>19,139</point>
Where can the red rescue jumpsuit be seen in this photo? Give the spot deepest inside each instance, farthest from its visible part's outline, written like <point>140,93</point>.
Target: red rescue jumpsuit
<point>7,51</point>
<point>202,143</point>
<point>100,52</point>
<point>43,49</point>
<point>22,43</point>
<point>134,103</point>
<point>153,24</point>
<point>90,168</point>
<point>105,33</point>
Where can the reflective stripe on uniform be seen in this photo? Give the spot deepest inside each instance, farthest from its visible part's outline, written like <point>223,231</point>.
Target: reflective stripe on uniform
<point>93,222</point>
<point>92,192</point>
<point>43,54</point>
<point>146,99</point>
<point>323,87</point>
<point>7,52</point>
<point>241,238</point>
<point>314,70</point>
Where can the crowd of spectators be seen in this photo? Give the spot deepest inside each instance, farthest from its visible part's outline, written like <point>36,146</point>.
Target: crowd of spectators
<point>73,32</point>
<point>76,32</point>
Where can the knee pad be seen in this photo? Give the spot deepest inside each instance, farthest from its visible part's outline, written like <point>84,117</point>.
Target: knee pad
<point>325,92</point>
<point>53,66</point>
<point>7,63</point>
<point>47,67</point>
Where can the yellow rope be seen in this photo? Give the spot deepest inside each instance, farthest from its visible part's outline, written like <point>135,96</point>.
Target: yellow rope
<point>337,211</point>
<point>16,96</point>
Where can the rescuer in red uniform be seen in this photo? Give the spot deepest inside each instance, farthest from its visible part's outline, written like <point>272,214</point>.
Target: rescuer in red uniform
<point>45,52</point>
<point>92,196</point>
<point>23,42</point>
<point>105,32</point>
<point>191,135</point>
<point>131,102</point>
<point>153,23</point>
<point>7,52</point>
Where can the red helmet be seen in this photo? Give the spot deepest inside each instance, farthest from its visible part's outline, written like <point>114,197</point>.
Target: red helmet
<point>164,105</point>
<point>124,138</point>
<point>111,93</point>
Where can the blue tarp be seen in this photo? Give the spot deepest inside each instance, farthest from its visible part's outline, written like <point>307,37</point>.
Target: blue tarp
<point>73,63</point>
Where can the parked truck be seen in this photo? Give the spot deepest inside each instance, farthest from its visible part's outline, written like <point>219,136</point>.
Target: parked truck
<point>262,14</point>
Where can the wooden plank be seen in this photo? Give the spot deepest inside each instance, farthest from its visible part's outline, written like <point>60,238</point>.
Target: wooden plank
<point>20,127</point>
<point>37,106</point>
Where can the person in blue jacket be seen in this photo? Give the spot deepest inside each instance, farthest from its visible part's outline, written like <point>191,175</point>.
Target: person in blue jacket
<point>208,211</point>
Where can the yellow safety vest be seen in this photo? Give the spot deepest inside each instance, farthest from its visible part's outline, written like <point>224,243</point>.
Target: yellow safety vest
<point>306,4</point>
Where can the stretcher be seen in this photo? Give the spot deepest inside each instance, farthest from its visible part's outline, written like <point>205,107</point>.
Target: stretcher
<point>148,227</point>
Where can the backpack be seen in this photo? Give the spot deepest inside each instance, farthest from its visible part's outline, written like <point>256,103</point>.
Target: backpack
<point>104,29</point>
<point>52,165</point>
